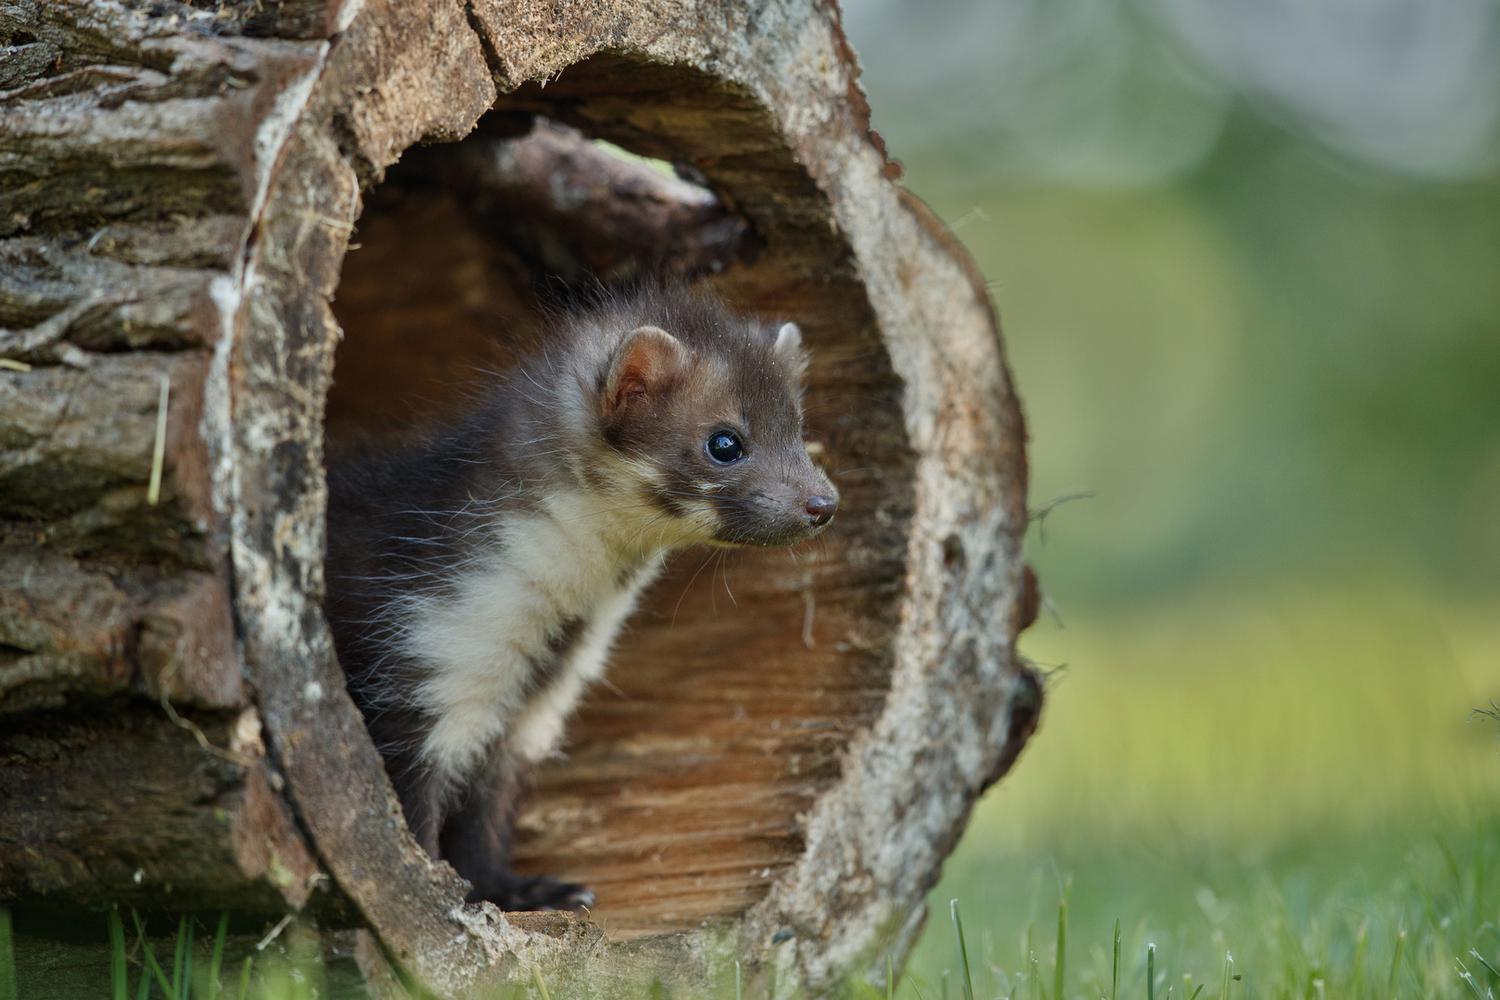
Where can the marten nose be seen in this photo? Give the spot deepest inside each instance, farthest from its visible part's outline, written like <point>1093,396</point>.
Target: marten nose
<point>820,509</point>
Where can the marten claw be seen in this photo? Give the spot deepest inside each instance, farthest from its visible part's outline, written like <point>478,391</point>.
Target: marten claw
<point>539,892</point>
<point>580,898</point>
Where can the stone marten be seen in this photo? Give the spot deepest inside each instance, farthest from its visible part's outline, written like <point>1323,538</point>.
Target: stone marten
<point>477,577</point>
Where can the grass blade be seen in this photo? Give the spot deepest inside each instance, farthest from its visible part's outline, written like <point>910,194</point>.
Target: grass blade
<point>1197,991</point>
<point>149,954</point>
<point>216,959</point>
<point>536,973</point>
<point>1150,972</point>
<point>1361,948</point>
<point>963,950</point>
<point>176,993</point>
<point>1028,965</point>
<point>9,989</point>
<point>1114,968</point>
<point>185,984</point>
<point>1467,978</point>
<point>159,445</point>
<point>1059,968</point>
<point>739,984</point>
<point>1390,981</point>
<point>890,978</point>
<point>244,991</point>
<point>119,973</point>
<point>1228,972</point>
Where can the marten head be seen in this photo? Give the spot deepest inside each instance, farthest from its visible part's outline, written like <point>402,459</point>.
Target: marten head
<point>702,411</point>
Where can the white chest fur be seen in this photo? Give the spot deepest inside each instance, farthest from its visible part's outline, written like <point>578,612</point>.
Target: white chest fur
<point>571,562</point>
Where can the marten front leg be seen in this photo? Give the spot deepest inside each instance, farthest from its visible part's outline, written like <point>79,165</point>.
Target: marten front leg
<point>477,839</point>
<point>419,791</point>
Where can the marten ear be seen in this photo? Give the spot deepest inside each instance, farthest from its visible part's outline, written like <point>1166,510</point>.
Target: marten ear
<point>788,347</point>
<point>645,364</point>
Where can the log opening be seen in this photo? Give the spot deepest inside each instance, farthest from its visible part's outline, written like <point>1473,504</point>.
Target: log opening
<point>743,677</point>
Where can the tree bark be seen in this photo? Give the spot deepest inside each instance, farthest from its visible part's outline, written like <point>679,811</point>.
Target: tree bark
<point>211,261</point>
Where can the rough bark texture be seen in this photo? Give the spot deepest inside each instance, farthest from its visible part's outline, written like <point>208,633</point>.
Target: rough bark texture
<point>206,197</point>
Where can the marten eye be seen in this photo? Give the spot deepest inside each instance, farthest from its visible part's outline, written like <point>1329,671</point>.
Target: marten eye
<point>725,447</point>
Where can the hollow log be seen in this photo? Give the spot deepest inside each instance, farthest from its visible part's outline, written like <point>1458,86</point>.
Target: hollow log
<point>234,234</point>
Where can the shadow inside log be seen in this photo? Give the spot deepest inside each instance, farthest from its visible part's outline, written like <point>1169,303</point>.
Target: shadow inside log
<point>463,249</point>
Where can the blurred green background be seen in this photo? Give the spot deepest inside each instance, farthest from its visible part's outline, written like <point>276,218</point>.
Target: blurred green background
<point>1247,259</point>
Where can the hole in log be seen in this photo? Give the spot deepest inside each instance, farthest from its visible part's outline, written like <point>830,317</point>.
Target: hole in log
<point>743,676</point>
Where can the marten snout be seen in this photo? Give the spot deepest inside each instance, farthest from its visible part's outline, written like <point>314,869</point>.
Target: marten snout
<point>820,509</point>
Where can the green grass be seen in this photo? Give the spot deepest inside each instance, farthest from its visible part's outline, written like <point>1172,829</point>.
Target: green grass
<point>1296,780</point>
<point>136,955</point>
<point>1415,933</point>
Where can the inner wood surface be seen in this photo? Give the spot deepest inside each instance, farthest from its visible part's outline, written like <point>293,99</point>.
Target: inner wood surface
<point>744,675</point>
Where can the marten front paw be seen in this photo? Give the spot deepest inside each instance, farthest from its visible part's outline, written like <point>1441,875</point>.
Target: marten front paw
<point>539,892</point>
